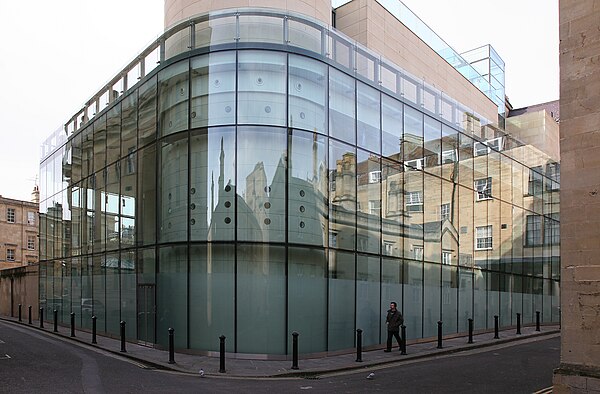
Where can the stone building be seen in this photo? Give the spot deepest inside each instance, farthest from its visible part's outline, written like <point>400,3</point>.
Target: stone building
<point>19,244</point>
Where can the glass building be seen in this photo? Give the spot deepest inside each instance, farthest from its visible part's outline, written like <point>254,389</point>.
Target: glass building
<point>255,172</point>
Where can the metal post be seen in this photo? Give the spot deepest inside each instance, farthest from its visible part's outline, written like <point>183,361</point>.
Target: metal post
<point>123,337</point>
<point>41,317</point>
<point>94,329</point>
<point>295,350</point>
<point>439,346</point>
<point>222,354</point>
<point>470,330</point>
<point>72,324</point>
<point>537,320</point>
<point>518,324</point>
<point>20,313</point>
<point>55,320</point>
<point>496,336</point>
<point>171,346</point>
<point>29,308</point>
<point>403,339</point>
<point>359,345</point>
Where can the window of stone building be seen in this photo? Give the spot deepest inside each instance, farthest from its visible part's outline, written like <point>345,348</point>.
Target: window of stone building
<point>31,218</point>
<point>484,237</point>
<point>31,242</point>
<point>10,215</point>
<point>414,201</point>
<point>10,254</point>
<point>444,212</point>
<point>483,188</point>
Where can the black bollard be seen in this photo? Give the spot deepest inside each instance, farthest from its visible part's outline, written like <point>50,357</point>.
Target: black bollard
<point>72,324</point>
<point>359,345</point>
<point>470,330</point>
<point>55,320</point>
<point>171,346</point>
<point>20,312</point>
<point>123,337</point>
<point>29,308</point>
<point>222,354</point>
<point>537,320</point>
<point>496,336</point>
<point>94,329</point>
<point>439,346</point>
<point>518,324</point>
<point>295,350</point>
<point>403,339</point>
<point>41,317</point>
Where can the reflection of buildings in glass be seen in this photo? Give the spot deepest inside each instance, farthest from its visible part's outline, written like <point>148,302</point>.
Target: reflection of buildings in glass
<point>270,182</point>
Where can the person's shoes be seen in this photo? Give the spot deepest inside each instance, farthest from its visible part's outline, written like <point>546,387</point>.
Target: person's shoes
<point>387,350</point>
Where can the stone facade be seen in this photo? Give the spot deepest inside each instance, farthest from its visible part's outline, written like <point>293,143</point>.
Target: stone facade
<point>580,194</point>
<point>19,241</point>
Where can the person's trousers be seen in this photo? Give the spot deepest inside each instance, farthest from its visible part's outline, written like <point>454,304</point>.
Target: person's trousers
<point>395,334</point>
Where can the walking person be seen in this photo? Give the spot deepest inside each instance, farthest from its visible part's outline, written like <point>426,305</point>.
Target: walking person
<point>393,320</point>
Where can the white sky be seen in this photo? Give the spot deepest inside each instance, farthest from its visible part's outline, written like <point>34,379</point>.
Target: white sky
<point>56,54</point>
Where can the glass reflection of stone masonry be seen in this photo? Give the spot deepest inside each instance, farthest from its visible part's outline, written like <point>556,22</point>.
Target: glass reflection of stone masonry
<point>250,192</point>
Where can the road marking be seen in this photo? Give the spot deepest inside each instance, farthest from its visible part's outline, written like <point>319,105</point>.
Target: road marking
<point>547,390</point>
<point>1,341</point>
<point>5,357</point>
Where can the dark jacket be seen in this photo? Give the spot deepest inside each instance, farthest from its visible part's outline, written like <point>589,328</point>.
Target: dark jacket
<point>394,320</point>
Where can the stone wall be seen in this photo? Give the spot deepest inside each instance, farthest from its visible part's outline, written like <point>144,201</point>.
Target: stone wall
<point>19,286</point>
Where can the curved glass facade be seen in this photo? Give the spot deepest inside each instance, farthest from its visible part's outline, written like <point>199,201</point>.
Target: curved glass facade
<point>254,190</point>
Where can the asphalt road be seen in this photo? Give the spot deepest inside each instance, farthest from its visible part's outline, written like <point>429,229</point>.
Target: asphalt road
<point>34,362</point>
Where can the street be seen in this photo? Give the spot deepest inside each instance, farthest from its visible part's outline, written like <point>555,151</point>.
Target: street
<point>32,361</point>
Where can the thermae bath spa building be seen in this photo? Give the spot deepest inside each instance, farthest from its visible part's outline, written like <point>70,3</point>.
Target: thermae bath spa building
<point>256,172</point>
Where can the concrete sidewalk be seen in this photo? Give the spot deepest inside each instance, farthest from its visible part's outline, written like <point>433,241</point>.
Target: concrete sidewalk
<point>235,367</point>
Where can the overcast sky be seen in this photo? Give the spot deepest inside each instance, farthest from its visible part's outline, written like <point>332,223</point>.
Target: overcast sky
<point>56,54</point>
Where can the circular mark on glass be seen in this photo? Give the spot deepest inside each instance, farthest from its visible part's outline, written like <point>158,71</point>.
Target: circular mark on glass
<point>193,206</point>
<point>193,221</point>
<point>227,188</point>
<point>181,92</point>
<point>169,226</point>
<point>228,109</point>
<point>169,210</point>
<point>259,81</point>
<point>267,205</point>
<point>193,190</point>
<point>267,189</point>
<point>302,224</point>
<point>227,204</point>
<point>268,109</point>
<point>228,220</point>
<point>267,221</point>
<point>298,86</point>
<point>169,196</point>
<point>193,114</point>
<point>302,115</point>
<point>301,209</point>
<point>170,123</point>
<point>217,82</point>
<point>301,193</point>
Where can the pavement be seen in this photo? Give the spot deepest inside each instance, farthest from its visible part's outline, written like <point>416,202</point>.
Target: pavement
<point>307,367</point>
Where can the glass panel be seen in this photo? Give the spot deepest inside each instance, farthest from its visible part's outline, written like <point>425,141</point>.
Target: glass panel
<point>261,182</point>
<point>465,298</point>
<point>342,101</point>
<point>87,163</point>
<point>307,295</point>
<point>261,28</point>
<point>307,186</point>
<point>173,98</point>
<point>113,309</point>
<point>413,299</point>
<point>216,31</point>
<point>391,288</point>
<point>127,204</point>
<point>128,293</point>
<point>110,207</point>
<point>342,196</point>
<point>212,296</point>
<point>212,212</point>
<point>177,43</point>
<point>146,202</point>
<point>307,94</point>
<point>302,35</point>
<point>173,187</point>
<point>87,303</point>
<point>99,222</point>
<point>261,290</point>
<point>392,209</point>
<point>262,88</point>
<point>368,222</point>
<point>113,134</point>
<point>213,89</point>
<point>146,112</point>
<point>96,305</point>
<point>172,288</point>
<point>129,124</point>
<point>449,299</point>
<point>367,114</point>
<point>368,318</point>
<point>341,294</point>
<point>431,300</point>
<point>391,127</point>
<point>99,143</point>
<point>480,312</point>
